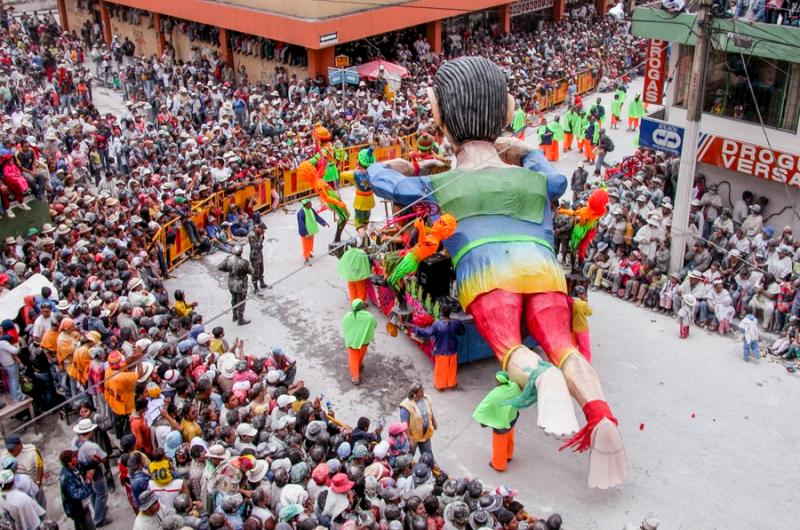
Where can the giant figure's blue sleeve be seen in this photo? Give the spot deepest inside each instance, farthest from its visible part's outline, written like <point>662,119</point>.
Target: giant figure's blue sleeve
<point>556,182</point>
<point>394,186</point>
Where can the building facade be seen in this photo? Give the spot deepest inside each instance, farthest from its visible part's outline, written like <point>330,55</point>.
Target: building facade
<point>751,104</point>
<point>309,30</point>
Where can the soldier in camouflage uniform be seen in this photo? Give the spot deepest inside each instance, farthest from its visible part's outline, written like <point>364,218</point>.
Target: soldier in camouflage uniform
<point>256,240</point>
<point>237,268</point>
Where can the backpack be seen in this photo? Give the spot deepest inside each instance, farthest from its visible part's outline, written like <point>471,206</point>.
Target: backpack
<point>609,145</point>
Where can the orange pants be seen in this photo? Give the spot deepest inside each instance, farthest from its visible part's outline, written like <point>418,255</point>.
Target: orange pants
<point>355,358</point>
<point>308,246</point>
<point>358,290</point>
<point>614,119</point>
<point>554,151</point>
<point>633,123</point>
<point>588,150</point>
<point>502,449</point>
<point>445,368</point>
<point>567,141</point>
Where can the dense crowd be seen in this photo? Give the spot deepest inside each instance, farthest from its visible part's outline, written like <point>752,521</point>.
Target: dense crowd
<point>736,262</point>
<point>204,433</point>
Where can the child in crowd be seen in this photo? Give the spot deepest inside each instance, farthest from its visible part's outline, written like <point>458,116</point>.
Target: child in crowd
<point>749,327</point>
<point>686,315</point>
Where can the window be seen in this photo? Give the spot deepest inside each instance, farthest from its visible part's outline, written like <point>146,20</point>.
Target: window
<point>776,85</point>
<point>775,89</point>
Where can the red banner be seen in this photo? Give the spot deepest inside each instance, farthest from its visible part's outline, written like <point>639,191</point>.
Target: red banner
<point>761,162</point>
<point>655,70</point>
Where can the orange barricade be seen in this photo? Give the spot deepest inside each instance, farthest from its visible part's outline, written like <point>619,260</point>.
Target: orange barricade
<point>260,192</point>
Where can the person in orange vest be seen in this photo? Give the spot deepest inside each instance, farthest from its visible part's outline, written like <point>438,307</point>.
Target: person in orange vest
<point>416,411</point>
<point>78,368</point>
<point>119,391</point>
<point>66,343</point>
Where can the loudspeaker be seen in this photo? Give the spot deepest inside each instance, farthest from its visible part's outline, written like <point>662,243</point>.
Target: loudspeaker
<point>434,275</point>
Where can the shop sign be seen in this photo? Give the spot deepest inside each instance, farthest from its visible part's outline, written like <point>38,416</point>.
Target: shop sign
<point>329,38</point>
<point>523,7</point>
<point>660,135</point>
<point>752,159</point>
<point>655,70</point>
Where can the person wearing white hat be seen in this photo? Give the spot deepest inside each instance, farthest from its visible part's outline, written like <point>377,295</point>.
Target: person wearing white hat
<point>91,457</point>
<point>754,222</point>
<point>24,511</point>
<point>780,262</point>
<point>686,315</point>
<point>721,304</point>
<point>649,236</point>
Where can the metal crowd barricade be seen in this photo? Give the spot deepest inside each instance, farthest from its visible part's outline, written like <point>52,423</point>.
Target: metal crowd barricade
<point>257,196</point>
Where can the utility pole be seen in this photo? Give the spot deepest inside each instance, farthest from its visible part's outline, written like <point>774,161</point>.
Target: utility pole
<point>694,111</point>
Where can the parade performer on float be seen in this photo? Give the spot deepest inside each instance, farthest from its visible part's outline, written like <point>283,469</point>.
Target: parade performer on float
<point>427,245</point>
<point>364,201</point>
<point>426,146</point>
<point>585,227</point>
<point>502,251</point>
<point>358,329</point>
<point>324,149</point>
<point>353,267</point>
<point>312,171</point>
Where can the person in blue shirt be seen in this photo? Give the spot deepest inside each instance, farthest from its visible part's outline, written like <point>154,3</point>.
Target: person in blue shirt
<point>444,333</point>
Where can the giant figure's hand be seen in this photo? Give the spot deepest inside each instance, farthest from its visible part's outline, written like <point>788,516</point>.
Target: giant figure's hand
<point>511,149</point>
<point>405,167</point>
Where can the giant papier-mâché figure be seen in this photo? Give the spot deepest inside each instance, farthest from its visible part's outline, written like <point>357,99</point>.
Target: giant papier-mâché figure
<point>502,250</point>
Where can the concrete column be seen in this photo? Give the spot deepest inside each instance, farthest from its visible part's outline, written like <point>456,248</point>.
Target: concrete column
<point>62,14</point>
<point>161,41</point>
<point>601,6</point>
<point>224,50</point>
<point>319,61</point>
<point>559,8</point>
<point>434,31</point>
<point>504,14</point>
<point>105,22</point>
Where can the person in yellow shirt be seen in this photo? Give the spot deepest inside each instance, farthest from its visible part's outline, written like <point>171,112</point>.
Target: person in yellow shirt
<point>218,344</point>
<point>182,307</point>
<point>580,322</point>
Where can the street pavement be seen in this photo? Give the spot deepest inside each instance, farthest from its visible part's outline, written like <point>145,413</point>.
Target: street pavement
<point>711,440</point>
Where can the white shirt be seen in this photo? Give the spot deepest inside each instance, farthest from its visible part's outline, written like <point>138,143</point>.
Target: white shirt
<point>27,514</point>
<point>7,351</point>
<point>166,494</point>
<point>40,326</point>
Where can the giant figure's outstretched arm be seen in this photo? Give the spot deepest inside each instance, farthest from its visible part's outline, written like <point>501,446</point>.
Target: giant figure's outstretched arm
<point>394,186</point>
<point>556,182</point>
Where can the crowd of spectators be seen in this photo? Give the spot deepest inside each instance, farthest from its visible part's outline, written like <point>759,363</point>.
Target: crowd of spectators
<point>736,262</point>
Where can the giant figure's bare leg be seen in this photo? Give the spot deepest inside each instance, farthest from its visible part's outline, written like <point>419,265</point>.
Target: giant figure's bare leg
<point>548,316</point>
<point>498,318</point>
